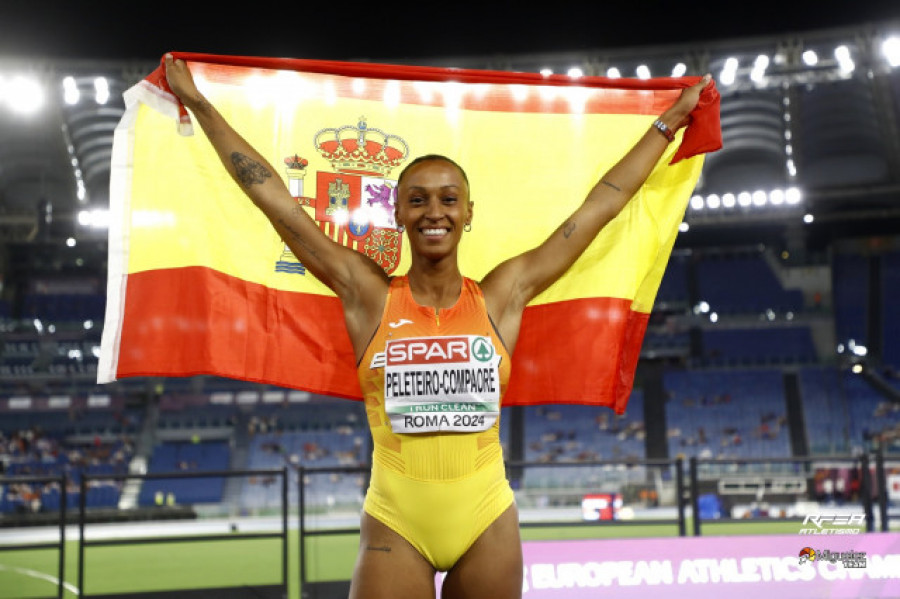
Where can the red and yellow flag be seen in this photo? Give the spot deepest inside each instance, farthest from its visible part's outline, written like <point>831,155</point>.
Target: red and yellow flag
<point>200,283</point>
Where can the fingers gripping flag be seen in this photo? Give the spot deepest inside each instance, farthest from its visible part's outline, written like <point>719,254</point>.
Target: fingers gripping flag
<point>200,282</point>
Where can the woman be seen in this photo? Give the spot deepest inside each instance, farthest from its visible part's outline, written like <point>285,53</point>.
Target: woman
<point>438,500</point>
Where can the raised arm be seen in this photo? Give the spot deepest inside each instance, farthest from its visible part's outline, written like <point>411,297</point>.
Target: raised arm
<point>511,285</point>
<point>358,281</point>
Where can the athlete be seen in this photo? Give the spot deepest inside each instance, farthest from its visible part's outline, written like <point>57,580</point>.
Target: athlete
<point>439,499</point>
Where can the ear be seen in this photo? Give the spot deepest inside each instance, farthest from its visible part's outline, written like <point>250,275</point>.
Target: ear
<point>471,212</point>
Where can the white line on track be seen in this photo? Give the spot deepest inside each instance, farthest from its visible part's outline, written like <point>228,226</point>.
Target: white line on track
<point>35,574</point>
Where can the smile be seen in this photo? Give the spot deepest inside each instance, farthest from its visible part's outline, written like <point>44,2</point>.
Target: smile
<point>434,232</point>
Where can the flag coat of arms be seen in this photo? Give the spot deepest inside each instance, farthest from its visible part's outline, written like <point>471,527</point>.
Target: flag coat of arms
<point>200,283</point>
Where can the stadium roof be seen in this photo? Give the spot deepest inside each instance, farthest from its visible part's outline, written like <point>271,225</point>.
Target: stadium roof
<point>827,129</point>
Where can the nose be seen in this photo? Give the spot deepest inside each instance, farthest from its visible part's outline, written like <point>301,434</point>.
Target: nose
<point>434,209</point>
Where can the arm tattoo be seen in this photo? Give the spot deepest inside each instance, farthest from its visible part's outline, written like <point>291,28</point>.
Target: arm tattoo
<point>298,238</point>
<point>616,187</point>
<point>247,170</point>
<point>568,228</point>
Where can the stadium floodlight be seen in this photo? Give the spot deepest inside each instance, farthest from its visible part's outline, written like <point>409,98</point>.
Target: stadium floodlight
<point>793,195</point>
<point>23,95</point>
<point>808,218</point>
<point>713,201</point>
<point>729,71</point>
<point>810,58</point>
<point>744,199</point>
<point>857,368</point>
<point>613,73</point>
<point>684,227</point>
<point>845,62</point>
<point>71,95</point>
<point>760,198</point>
<point>791,167</point>
<point>758,74</point>
<point>643,71</point>
<point>697,203</point>
<point>70,242</point>
<point>101,90</point>
<point>546,72</point>
<point>776,197</point>
<point>679,70</point>
<point>713,317</point>
<point>575,72</point>
<point>728,200</point>
<point>891,50</point>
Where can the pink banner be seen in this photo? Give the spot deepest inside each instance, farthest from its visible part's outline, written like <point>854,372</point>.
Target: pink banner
<point>851,566</point>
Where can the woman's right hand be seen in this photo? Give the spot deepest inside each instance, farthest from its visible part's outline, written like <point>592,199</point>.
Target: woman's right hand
<point>182,82</point>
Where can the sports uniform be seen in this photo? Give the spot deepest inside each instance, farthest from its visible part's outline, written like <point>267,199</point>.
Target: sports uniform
<point>432,382</point>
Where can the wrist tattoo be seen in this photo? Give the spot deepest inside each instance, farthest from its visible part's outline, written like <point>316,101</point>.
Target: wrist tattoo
<point>248,171</point>
<point>616,187</point>
<point>568,228</point>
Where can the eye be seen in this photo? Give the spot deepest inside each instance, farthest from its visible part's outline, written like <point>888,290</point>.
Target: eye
<point>450,200</point>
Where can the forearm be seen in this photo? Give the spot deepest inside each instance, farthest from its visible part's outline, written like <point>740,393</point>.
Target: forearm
<point>626,177</point>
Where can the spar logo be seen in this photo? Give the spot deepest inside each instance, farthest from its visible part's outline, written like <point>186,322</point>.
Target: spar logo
<point>354,205</point>
<point>431,351</point>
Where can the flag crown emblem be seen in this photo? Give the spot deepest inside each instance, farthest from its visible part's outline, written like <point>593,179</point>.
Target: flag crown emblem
<point>360,149</point>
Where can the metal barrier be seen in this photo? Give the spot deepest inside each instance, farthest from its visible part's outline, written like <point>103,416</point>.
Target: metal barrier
<point>861,462</point>
<point>60,545</point>
<point>872,495</point>
<point>283,534</point>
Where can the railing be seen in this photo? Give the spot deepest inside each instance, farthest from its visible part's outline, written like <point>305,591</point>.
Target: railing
<point>685,478</point>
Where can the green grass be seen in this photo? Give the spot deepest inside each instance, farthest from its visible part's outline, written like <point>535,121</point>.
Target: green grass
<point>200,564</point>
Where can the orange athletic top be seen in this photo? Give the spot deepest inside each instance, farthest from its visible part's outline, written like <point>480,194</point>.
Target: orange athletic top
<point>444,368</point>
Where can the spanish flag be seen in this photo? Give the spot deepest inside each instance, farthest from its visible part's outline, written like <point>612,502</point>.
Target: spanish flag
<point>200,283</point>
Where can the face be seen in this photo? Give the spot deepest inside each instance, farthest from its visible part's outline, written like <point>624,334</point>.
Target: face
<point>433,204</point>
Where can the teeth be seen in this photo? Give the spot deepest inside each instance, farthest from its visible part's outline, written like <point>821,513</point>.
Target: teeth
<point>434,231</point>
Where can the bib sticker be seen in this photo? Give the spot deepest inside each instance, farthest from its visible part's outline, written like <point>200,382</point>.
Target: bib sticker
<point>441,384</point>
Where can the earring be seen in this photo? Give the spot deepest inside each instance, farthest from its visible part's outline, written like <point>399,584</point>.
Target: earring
<point>467,227</point>
<point>401,228</point>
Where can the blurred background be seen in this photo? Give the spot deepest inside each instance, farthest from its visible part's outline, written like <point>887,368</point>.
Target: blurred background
<point>774,335</point>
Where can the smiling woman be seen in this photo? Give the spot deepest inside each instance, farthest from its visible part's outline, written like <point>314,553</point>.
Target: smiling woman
<point>434,413</point>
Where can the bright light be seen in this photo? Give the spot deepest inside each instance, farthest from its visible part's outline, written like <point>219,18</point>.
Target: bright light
<point>613,73</point>
<point>744,199</point>
<point>728,200</point>
<point>791,167</point>
<point>793,195</point>
<point>546,72</point>
<point>88,325</point>
<point>729,71</point>
<point>71,95</point>
<point>643,72</point>
<point>70,242</point>
<point>776,197</point>
<point>97,218</point>
<point>101,89</point>
<point>713,317</point>
<point>684,227</point>
<point>24,95</point>
<point>760,198</point>
<point>713,201</point>
<point>679,70</point>
<point>575,72</point>
<point>891,49</point>
<point>857,368</point>
<point>697,203</point>
<point>758,74</point>
<point>845,62</point>
<point>810,58</point>
<point>808,218</point>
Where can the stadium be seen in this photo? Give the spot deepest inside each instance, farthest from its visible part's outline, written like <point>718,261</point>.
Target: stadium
<point>761,440</point>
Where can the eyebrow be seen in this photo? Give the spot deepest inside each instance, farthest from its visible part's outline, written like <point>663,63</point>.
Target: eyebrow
<point>423,188</point>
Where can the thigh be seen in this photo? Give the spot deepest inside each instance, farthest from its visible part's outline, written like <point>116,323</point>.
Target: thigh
<point>388,566</point>
<point>492,567</point>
